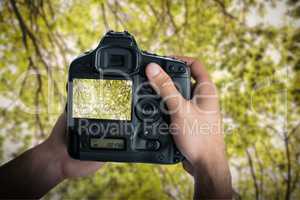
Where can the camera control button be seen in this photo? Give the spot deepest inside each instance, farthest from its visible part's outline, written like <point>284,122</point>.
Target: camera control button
<point>172,68</point>
<point>149,131</point>
<point>181,69</point>
<point>152,145</point>
<point>176,69</point>
<point>148,110</point>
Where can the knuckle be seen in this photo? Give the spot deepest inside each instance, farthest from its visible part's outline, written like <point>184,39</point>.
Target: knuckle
<point>165,79</point>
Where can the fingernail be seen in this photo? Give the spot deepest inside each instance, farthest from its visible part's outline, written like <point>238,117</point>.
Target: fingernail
<point>153,69</point>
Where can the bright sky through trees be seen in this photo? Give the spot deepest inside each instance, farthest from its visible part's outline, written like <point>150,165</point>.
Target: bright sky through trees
<point>251,48</point>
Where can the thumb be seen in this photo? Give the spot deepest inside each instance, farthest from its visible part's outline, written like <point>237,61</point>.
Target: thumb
<point>164,86</point>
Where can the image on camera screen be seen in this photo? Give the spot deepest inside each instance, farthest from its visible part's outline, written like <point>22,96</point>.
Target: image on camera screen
<point>102,99</point>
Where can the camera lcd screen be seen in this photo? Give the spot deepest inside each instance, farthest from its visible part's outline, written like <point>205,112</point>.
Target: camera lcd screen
<point>102,99</point>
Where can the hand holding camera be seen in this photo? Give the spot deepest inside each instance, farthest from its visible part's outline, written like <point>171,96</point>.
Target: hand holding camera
<point>197,129</point>
<point>194,127</point>
<point>157,93</point>
<point>113,113</point>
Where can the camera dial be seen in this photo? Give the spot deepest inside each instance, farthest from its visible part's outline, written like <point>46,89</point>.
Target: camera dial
<point>148,110</point>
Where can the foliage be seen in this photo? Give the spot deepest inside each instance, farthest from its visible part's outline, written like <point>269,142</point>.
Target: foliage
<point>256,69</point>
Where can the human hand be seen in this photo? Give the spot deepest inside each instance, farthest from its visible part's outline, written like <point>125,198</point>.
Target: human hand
<point>69,168</point>
<point>196,128</point>
<point>42,167</point>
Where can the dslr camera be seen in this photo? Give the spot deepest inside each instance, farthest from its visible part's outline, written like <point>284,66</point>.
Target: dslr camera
<point>113,113</point>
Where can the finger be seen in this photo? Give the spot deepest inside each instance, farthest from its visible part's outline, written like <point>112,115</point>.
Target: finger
<point>205,92</point>
<point>164,86</point>
<point>204,85</point>
<point>197,69</point>
<point>60,127</point>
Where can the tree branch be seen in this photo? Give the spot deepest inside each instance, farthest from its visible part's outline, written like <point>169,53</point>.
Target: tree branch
<point>25,31</point>
<point>168,6</point>
<point>223,9</point>
<point>289,167</point>
<point>252,170</point>
<point>261,169</point>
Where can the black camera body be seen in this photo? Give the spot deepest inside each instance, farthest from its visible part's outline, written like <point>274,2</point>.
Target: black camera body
<point>113,114</point>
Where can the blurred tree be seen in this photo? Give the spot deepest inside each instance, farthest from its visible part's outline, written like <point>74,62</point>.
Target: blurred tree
<point>256,68</point>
